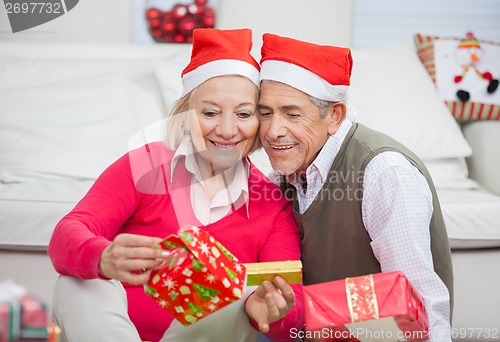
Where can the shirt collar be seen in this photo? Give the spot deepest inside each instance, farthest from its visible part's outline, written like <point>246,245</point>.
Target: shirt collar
<point>185,150</point>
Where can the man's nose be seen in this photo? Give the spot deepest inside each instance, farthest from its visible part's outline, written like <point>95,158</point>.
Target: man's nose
<point>227,127</point>
<point>276,127</point>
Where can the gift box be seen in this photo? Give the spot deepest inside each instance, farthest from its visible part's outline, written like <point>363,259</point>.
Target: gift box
<point>22,316</point>
<point>199,277</point>
<point>376,307</point>
<point>290,270</point>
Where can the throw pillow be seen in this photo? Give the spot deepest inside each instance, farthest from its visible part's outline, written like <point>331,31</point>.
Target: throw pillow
<point>71,129</point>
<point>465,71</point>
<point>392,93</point>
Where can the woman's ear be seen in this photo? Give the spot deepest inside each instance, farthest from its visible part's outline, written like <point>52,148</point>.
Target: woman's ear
<point>336,114</point>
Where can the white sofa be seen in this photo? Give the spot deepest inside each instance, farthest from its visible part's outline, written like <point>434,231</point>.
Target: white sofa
<point>67,111</point>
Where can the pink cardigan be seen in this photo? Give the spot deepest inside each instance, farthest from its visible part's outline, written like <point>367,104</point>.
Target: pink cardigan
<point>135,200</point>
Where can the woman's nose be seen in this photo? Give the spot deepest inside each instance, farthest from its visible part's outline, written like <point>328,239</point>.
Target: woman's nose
<point>227,127</point>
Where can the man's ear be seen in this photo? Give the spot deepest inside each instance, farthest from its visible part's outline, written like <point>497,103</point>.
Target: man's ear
<point>336,114</point>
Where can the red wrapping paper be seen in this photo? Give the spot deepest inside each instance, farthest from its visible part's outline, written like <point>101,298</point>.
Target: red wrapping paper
<point>22,318</point>
<point>34,313</point>
<point>199,276</point>
<point>360,309</point>
<point>4,322</point>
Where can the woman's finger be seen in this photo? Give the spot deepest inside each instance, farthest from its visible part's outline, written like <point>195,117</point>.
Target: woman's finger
<point>138,264</point>
<point>134,240</point>
<point>144,253</point>
<point>134,278</point>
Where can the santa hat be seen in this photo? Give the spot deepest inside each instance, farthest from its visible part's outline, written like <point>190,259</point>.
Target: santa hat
<point>219,52</point>
<point>318,70</point>
<point>469,41</point>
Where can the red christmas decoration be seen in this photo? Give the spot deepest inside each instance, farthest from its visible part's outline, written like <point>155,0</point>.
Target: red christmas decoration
<point>152,13</point>
<point>177,24</point>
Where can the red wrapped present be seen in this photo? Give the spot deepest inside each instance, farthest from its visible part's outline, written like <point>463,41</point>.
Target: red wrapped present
<point>376,307</point>
<point>199,276</point>
<point>6,332</point>
<point>22,316</point>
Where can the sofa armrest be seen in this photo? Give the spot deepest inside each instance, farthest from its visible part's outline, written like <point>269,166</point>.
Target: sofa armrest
<point>484,164</point>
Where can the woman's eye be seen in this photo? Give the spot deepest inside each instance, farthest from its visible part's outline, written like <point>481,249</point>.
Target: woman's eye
<point>210,113</point>
<point>244,115</point>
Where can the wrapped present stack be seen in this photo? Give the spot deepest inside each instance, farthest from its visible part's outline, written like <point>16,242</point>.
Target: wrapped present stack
<point>376,307</point>
<point>23,317</point>
<point>199,277</point>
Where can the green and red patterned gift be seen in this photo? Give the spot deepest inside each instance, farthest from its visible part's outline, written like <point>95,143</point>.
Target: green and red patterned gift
<point>199,277</point>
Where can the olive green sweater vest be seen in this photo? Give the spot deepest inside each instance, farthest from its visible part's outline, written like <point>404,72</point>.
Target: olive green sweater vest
<point>335,243</point>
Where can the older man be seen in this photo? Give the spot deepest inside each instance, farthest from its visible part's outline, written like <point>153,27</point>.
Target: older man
<point>363,201</point>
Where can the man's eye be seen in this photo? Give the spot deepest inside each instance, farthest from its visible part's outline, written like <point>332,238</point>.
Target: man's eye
<point>293,115</point>
<point>265,114</point>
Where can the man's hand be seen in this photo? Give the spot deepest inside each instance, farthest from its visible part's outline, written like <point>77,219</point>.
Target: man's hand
<point>131,258</point>
<point>270,302</point>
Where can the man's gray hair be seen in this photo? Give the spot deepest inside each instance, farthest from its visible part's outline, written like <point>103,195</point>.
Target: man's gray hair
<point>323,105</point>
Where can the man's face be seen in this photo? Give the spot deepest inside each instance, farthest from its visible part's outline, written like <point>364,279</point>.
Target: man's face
<point>291,129</point>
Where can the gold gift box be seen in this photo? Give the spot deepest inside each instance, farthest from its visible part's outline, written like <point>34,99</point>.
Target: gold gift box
<point>290,270</point>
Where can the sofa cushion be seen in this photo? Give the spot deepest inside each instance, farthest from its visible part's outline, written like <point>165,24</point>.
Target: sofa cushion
<point>450,173</point>
<point>471,218</point>
<point>111,93</point>
<point>484,164</point>
<point>70,128</point>
<point>392,93</point>
<point>34,209</point>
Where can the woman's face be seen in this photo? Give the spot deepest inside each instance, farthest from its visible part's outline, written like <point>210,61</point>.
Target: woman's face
<point>224,121</point>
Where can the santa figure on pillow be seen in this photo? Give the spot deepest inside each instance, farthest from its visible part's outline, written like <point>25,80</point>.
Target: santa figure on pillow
<point>469,55</point>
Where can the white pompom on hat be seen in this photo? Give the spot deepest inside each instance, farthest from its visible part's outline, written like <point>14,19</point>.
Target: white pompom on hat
<point>220,52</point>
<point>318,70</point>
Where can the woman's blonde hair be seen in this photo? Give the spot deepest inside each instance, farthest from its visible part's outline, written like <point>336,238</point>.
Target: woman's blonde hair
<point>177,127</point>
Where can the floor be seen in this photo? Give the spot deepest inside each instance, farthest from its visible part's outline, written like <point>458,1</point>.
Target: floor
<point>477,275</point>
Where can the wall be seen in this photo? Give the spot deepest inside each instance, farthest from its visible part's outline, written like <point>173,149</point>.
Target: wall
<point>318,21</point>
<point>109,21</point>
<point>91,21</point>
<point>386,22</point>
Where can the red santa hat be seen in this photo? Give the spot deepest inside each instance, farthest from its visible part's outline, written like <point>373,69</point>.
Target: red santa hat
<point>318,70</point>
<point>220,52</point>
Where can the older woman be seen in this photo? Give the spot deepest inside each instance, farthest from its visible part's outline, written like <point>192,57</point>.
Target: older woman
<point>199,176</point>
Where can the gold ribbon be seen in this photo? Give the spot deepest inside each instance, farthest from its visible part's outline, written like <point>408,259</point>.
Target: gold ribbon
<point>361,298</point>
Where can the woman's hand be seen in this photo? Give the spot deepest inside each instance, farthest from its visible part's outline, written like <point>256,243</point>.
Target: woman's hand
<point>131,258</point>
<point>270,302</point>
